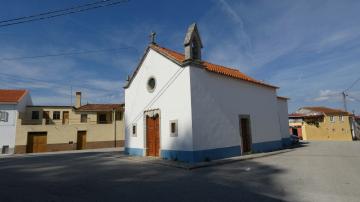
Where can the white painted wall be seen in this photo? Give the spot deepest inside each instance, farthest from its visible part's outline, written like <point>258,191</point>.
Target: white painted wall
<point>174,103</point>
<point>283,117</point>
<point>218,100</point>
<point>8,129</point>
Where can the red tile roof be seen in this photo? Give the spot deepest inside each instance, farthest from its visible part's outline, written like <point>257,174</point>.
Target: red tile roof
<point>298,115</point>
<point>11,96</point>
<point>283,98</point>
<point>100,107</point>
<point>219,69</point>
<point>328,111</point>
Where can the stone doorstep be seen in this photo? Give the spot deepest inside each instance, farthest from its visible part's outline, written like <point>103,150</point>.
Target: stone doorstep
<point>190,166</point>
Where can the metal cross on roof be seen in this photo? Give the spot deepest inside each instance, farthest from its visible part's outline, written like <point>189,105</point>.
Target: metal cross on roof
<point>152,37</point>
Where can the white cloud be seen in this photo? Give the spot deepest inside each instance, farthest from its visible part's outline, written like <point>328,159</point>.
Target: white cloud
<point>326,95</point>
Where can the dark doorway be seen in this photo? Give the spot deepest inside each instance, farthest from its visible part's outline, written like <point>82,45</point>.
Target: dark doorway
<point>81,140</point>
<point>295,131</point>
<point>245,134</point>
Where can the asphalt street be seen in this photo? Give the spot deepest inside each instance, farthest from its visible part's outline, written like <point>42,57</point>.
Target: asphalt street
<point>316,171</point>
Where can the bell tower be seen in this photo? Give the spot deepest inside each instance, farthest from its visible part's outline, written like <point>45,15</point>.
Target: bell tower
<point>192,44</point>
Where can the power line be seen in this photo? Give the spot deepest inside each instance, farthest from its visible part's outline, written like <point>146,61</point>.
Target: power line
<point>352,85</point>
<point>54,11</point>
<point>157,96</point>
<point>354,98</point>
<point>15,78</point>
<point>61,12</point>
<point>66,53</point>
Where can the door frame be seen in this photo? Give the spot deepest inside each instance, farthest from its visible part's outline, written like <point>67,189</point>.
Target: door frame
<point>151,113</point>
<point>244,116</point>
<point>63,117</point>
<point>77,139</point>
<point>34,133</point>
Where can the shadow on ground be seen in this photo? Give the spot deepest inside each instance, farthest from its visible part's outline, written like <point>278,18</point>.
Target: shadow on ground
<point>112,177</point>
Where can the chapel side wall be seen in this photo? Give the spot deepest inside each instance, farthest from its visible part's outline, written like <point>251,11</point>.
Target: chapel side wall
<point>217,102</point>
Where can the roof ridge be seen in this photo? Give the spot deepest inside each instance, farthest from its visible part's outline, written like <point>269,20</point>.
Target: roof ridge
<point>179,59</point>
<point>232,68</point>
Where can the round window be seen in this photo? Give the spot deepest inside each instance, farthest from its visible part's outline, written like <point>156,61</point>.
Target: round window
<point>151,84</point>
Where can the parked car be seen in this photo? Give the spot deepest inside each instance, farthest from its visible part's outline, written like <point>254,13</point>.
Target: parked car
<point>294,139</point>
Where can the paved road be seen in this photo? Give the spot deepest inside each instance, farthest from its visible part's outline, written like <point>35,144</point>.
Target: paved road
<point>318,171</point>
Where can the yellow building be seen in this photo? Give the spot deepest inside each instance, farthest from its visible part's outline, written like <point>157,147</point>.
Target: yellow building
<point>321,123</point>
<point>58,128</point>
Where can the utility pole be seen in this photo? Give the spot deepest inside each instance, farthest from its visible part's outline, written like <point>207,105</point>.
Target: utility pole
<point>70,95</point>
<point>344,100</point>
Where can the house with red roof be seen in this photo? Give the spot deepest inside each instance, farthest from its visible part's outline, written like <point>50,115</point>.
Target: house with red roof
<point>12,103</point>
<point>322,123</point>
<point>181,107</point>
<point>50,128</point>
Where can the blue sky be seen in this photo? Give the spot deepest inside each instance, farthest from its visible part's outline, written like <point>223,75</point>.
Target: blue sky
<point>311,49</point>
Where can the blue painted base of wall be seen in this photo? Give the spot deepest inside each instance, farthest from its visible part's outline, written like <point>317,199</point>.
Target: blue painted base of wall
<point>267,146</point>
<point>201,155</point>
<point>134,151</point>
<point>286,142</point>
<point>212,154</point>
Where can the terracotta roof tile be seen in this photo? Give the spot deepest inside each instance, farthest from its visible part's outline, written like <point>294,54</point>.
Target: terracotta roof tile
<point>100,107</point>
<point>328,111</point>
<point>219,69</point>
<point>283,98</point>
<point>11,96</point>
<point>298,115</point>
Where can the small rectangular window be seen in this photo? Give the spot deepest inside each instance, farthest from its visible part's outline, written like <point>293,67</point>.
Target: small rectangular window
<point>4,116</point>
<point>102,118</point>
<point>341,118</point>
<point>56,115</point>
<point>118,115</point>
<point>332,119</point>
<point>84,118</point>
<point>133,130</point>
<point>173,128</point>
<point>35,115</point>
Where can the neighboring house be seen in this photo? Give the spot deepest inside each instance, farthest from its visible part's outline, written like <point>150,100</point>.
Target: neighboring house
<point>183,108</point>
<point>12,102</point>
<point>357,127</point>
<point>321,123</point>
<point>59,128</point>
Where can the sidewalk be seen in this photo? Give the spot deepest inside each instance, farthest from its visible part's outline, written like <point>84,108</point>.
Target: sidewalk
<point>113,149</point>
<point>189,166</point>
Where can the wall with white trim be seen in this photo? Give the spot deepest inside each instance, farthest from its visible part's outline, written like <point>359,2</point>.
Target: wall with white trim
<point>218,100</point>
<point>173,101</point>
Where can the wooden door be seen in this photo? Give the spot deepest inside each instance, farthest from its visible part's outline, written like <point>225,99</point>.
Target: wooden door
<point>245,135</point>
<point>65,119</point>
<point>152,136</point>
<point>81,140</point>
<point>37,142</point>
<point>46,116</point>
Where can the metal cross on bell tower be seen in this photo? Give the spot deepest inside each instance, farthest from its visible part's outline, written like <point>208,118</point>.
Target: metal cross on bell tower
<point>152,37</point>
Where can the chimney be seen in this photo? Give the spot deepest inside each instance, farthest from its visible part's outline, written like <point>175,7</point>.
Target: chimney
<point>78,100</point>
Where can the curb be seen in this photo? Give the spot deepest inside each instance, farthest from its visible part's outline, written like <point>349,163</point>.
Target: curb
<point>188,166</point>
<point>102,150</point>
